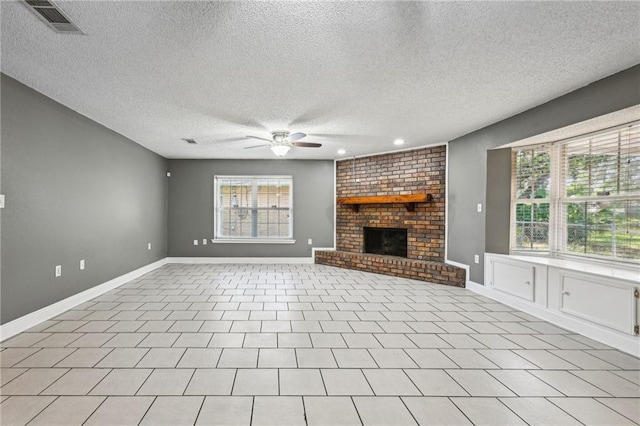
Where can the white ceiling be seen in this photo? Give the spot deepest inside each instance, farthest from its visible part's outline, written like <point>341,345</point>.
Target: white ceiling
<point>352,75</point>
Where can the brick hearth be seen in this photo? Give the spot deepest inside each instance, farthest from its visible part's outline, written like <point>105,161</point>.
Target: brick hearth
<point>435,272</point>
<point>420,171</point>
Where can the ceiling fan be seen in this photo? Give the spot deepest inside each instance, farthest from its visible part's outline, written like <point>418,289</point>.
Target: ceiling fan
<point>282,141</point>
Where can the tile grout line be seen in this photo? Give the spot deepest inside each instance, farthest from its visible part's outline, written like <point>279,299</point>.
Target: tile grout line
<point>410,412</point>
<point>193,373</point>
<point>611,408</point>
<point>562,409</point>
<point>253,404</point>
<point>355,406</point>
<point>52,383</point>
<point>459,409</point>
<point>591,384</point>
<point>144,382</point>
<point>98,383</point>
<point>155,398</point>
<point>457,383</point>
<point>104,399</point>
<point>499,399</point>
<point>55,398</point>
<point>204,399</point>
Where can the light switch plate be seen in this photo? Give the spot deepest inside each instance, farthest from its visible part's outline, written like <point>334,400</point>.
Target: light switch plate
<point>479,208</point>
<point>195,242</point>
<point>58,271</point>
<point>1,201</point>
<point>82,264</point>
<point>204,241</point>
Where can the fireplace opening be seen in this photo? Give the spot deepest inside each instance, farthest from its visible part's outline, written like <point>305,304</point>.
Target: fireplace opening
<point>388,241</point>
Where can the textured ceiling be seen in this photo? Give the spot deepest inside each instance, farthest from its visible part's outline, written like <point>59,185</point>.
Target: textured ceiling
<point>352,75</point>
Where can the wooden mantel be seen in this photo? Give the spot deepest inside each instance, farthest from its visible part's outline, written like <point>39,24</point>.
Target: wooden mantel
<point>409,200</point>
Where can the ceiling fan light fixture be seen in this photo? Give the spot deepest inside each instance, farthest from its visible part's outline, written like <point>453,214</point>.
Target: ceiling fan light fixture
<point>398,142</point>
<point>280,150</point>
<point>341,151</point>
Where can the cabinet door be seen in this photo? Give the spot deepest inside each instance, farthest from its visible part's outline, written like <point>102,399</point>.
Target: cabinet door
<point>597,300</point>
<point>516,279</point>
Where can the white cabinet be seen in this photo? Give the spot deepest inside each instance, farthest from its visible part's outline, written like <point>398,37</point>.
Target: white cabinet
<point>598,301</point>
<point>518,280</point>
<point>524,280</point>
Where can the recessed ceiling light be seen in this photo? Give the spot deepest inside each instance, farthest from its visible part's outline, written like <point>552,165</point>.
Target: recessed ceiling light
<point>398,142</point>
<point>342,151</point>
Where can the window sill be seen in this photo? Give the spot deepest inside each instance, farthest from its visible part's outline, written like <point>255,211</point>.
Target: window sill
<point>249,241</point>
<point>604,269</point>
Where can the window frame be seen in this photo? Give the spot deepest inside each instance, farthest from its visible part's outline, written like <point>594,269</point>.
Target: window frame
<point>558,199</point>
<point>516,201</point>
<point>218,236</point>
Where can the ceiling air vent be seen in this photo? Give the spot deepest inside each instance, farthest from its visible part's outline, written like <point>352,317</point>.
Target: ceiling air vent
<point>193,141</point>
<point>52,16</point>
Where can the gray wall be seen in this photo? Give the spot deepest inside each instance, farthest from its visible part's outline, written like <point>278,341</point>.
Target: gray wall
<point>468,156</point>
<point>74,190</point>
<point>191,206</point>
<point>498,204</point>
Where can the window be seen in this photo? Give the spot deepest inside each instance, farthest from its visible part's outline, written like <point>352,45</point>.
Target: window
<point>253,208</point>
<point>579,197</point>
<point>532,198</point>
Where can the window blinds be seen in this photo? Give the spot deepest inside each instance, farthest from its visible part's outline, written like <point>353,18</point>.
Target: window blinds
<point>579,197</point>
<point>532,173</point>
<point>603,165</point>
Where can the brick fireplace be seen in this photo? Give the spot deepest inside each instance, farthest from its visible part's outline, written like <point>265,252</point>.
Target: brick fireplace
<point>420,171</point>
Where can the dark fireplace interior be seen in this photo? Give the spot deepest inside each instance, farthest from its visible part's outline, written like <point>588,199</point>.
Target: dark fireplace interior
<point>389,241</point>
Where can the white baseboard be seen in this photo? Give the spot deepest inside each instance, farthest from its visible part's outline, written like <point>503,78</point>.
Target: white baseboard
<point>245,260</point>
<point>25,322</point>
<point>623,342</point>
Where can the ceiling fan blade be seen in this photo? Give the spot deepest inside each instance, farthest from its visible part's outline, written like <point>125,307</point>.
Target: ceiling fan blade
<point>258,137</point>
<point>297,136</point>
<point>255,146</point>
<point>225,140</point>
<point>344,136</point>
<point>307,144</point>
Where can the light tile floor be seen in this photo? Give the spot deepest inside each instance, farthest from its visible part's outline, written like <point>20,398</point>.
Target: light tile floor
<point>307,344</point>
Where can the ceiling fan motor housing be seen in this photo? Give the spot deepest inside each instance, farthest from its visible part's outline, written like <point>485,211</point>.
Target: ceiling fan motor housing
<point>280,137</point>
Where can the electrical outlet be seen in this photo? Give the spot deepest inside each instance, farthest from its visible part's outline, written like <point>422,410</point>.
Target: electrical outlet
<point>309,241</point>
<point>1,201</point>
<point>58,271</point>
<point>479,208</point>
<point>149,246</point>
<point>476,258</point>
<point>82,264</point>
<point>204,241</point>
<point>195,242</point>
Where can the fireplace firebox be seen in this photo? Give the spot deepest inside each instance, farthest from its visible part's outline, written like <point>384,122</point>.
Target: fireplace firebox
<point>387,241</point>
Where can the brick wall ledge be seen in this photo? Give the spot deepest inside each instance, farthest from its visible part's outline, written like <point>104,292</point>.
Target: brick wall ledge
<point>424,270</point>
